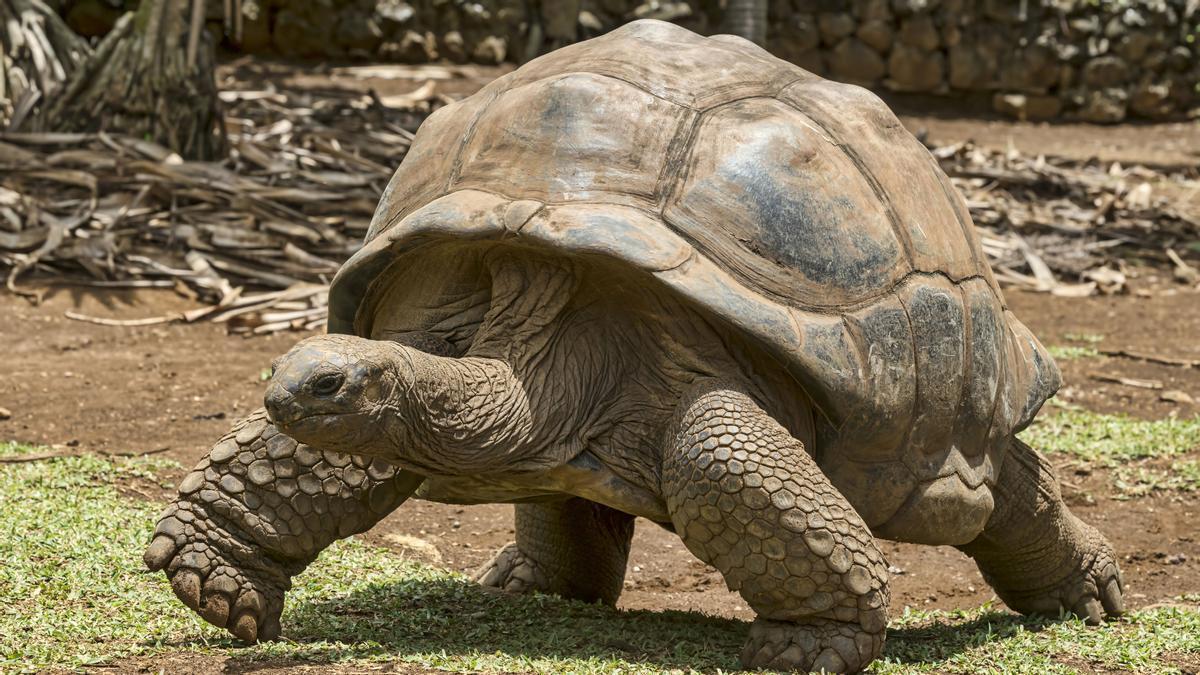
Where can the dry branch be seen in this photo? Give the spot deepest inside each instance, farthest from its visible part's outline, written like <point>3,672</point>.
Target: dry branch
<point>258,235</point>
<point>288,206</point>
<point>1064,226</point>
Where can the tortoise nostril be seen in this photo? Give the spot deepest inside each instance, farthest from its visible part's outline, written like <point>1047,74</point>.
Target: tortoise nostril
<point>328,384</point>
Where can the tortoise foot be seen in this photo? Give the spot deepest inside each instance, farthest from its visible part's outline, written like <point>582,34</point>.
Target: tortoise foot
<point>1090,587</point>
<point>819,645</point>
<point>228,582</point>
<point>512,571</point>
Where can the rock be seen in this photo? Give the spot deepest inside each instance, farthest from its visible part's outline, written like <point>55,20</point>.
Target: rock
<point>876,34</point>
<point>834,26</point>
<point>1087,25</point>
<point>5,414</point>
<point>453,46</point>
<point>357,32</point>
<point>424,549</point>
<point>1104,106</point>
<point>396,11</point>
<point>1180,59</point>
<point>812,60</point>
<point>799,34</point>
<point>1027,107</point>
<point>1006,11</point>
<point>1177,396</point>
<point>873,10</point>
<point>413,47</point>
<point>304,33</point>
<point>1152,100</point>
<point>951,35</point>
<point>1154,62</point>
<point>559,19</point>
<point>491,50</point>
<point>907,7</point>
<point>1105,71</point>
<point>919,31</point>
<point>1066,77</point>
<point>1132,17</point>
<point>1032,69</point>
<point>853,61</point>
<point>1115,29</point>
<point>1066,51</point>
<point>910,69</point>
<point>970,67</point>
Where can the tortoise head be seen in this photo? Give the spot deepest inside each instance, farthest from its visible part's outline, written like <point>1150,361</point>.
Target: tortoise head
<point>337,392</point>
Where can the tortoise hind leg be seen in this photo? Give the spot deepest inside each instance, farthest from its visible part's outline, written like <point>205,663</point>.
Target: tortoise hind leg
<point>573,548</point>
<point>746,497</point>
<point>1036,554</point>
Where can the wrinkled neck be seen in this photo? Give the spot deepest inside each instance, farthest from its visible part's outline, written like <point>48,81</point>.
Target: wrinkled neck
<point>461,416</point>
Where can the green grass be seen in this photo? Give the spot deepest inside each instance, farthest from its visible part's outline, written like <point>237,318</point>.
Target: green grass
<point>1142,455</point>
<point>1071,352</point>
<point>73,594</point>
<point>1085,350</point>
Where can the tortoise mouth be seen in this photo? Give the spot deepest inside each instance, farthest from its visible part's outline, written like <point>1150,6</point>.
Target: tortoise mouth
<point>304,424</point>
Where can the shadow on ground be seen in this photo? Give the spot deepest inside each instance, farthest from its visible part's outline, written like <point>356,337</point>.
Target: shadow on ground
<point>427,621</point>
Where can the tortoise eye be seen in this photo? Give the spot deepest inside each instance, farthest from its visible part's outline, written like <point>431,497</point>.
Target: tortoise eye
<point>328,384</point>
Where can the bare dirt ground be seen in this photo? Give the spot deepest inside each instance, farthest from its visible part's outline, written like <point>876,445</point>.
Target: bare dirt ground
<point>105,389</point>
<point>176,388</point>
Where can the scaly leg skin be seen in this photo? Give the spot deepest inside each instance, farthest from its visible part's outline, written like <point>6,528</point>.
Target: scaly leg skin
<point>255,512</point>
<point>1036,554</point>
<point>746,498</point>
<point>575,548</point>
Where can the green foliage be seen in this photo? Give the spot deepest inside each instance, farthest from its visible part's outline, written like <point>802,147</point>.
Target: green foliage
<point>1071,352</point>
<point>1143,455</point>
<point>1090,338</point>
<point>986,641</point>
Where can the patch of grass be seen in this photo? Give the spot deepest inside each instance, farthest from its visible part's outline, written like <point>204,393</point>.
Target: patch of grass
<point>1071,352</point>
<point>1110,439</point>
<point>73,593</point>
<point>1142,455</point>
<point>986,641</point>
<point>1089,338</point>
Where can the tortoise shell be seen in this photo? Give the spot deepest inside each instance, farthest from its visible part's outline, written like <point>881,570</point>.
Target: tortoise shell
<point>797,209</point>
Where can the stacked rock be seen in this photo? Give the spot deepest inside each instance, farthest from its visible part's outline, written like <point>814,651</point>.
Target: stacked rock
<point>1095,60</point>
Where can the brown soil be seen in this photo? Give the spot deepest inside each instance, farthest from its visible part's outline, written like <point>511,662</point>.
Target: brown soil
<point>85,387</point>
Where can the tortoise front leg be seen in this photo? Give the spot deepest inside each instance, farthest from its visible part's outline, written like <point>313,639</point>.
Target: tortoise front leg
<point>255,513</point>
<point>573,548</point>
<point>746,498</point>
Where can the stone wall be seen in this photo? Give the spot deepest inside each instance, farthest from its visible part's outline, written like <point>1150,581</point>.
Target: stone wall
<point>1095,60</point>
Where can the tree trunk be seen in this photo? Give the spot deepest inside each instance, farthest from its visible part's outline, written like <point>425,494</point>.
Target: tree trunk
<point>150,78</point>
<point>39,53</point>
<point>748,19</point>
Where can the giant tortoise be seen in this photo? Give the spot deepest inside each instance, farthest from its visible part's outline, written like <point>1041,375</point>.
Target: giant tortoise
<point>660,275</point>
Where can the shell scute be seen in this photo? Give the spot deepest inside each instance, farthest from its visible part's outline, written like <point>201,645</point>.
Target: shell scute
<point>984,368</point>
<point>763,192</point>
<point>876,427</point>
<point>573,136</point>
<point>428,164</point>
<point>935,313</point>
<point>671,63</point>
<point>904,175</point>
